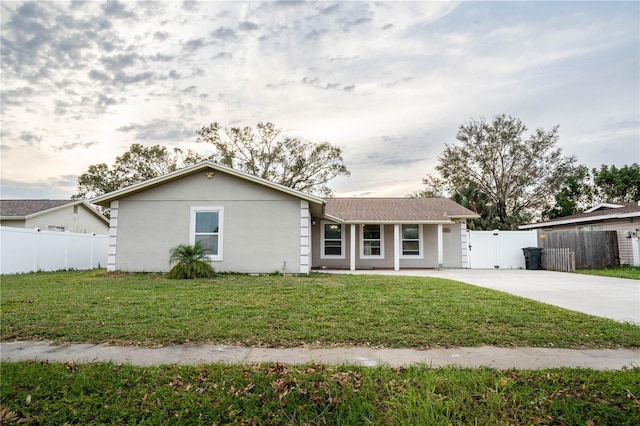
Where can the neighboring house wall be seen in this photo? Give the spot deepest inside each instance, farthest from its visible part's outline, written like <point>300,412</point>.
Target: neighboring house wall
<point>621,226</point>
<point>65,219</point>
<point>262,228</point>
<point>13,223</point>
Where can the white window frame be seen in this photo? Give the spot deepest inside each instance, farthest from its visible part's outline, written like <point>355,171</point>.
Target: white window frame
<point>322,241</point>
<point>192,228</point>
<point>420,243</point>
<point>377,256</point>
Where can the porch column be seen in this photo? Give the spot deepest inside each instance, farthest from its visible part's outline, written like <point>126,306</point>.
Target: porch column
<point>440,247</point>
<point>352,247</point>
<point>396,247</point>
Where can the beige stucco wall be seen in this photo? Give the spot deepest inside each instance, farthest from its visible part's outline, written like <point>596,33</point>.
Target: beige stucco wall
<point>452,254</point>
<point>261,226</point>
<point>84,221</point>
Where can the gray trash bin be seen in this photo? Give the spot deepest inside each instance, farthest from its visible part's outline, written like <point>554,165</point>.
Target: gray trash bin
<point>532,257</point>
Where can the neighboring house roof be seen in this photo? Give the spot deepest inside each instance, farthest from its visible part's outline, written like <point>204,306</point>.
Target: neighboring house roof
<point>397,210</point>
<point>604,211</point>
<point>27,209</point>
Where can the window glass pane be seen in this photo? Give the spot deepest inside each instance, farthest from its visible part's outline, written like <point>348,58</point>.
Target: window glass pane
<point>410,232</point>
<point>210,242</point>
<point>206,222</point>
<point>332,231</point>
<point>333,251</point>
<point>371,232</point>
<point>411,248</point>
<point>371,248</point>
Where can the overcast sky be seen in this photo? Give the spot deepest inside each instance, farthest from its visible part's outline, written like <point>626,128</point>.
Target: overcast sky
<point>388,82</point>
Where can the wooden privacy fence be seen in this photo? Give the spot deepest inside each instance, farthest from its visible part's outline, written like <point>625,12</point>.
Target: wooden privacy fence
<point>558,259</point>
<point>592,249</point>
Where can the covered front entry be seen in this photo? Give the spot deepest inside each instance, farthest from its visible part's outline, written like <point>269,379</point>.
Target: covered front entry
<point>394,246</point>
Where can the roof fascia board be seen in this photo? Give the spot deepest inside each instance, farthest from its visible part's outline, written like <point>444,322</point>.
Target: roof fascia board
<point>195,168</point>
<point>606,205</point>
<point>52,209</point>
<point>398,222</point>
<point>580,220</point>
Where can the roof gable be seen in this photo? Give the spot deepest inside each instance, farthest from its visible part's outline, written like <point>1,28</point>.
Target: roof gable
<point>105,200</point>
<point>397,210</point>
<point>26,209</point>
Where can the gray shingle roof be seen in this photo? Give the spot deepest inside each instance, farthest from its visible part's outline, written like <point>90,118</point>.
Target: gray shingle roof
<point>584,217</point>
<point>396,209</point>
<point>21,208</point>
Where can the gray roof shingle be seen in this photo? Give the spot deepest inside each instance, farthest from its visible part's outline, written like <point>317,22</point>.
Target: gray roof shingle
<point>21,208</point>
<point>396,209</point>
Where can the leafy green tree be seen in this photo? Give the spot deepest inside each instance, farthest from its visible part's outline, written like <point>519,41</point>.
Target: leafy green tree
<point>191,262</point>
<point>478,202</point>
<point>617,185</point>
<point>517,174</point>
<point>266,153</point>
<point>138,164</point>
<point>575,196</point>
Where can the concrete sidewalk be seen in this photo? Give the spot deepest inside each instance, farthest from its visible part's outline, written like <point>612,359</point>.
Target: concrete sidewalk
<point>500,358</point>
<point>614,298</point>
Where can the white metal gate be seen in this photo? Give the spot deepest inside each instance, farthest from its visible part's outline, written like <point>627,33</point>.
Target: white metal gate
<point>499,249</point>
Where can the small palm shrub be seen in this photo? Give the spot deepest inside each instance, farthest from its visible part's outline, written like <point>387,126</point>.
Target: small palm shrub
<point>191,262</point>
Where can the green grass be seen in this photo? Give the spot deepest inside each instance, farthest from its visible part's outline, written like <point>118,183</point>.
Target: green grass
<point>625,271</point>
<point>276,311</point>
<point>40,393</point>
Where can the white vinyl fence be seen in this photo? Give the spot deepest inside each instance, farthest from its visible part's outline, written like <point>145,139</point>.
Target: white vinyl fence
<point>30,250</point>
<point>499,249</point>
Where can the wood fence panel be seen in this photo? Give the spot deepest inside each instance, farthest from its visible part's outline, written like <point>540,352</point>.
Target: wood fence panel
<point>558,259</point>
<point>592,249</point>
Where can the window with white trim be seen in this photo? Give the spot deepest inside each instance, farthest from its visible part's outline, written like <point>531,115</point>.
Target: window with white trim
<point>372,241</point>
<point>206,226</point>
<point>411,240</point>
<point>332,241</point>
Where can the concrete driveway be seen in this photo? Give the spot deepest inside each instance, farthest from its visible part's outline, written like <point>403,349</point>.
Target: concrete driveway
<point>614,298</point>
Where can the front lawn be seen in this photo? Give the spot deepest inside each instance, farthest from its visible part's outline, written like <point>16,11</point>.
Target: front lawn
<point>275,394</point>
<point>624,271</point>
<point>320,310</point>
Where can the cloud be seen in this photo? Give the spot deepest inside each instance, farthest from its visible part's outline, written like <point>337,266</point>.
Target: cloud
<point>223,33</point>
<point>162,58</point>
<point>30,138</point>
<point>160,35</point>
<point>124,78</point>
<point>120,61</point>
<point>69,146</point>
<point>247,26</point>
<point>223,55</point>
<point>56,187</point>
<point>349,88</point>
<point>15,96</point>
<point>159,130</point>
<point>194,44</point>
<point>99,76</point>
<point>116,9</point>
